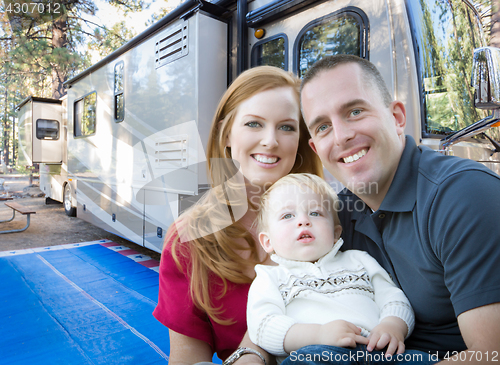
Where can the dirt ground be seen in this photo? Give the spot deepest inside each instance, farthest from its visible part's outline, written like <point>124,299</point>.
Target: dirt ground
<point>50,225</point>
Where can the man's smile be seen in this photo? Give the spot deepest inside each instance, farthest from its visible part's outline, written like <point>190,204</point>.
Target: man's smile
<point>354,157</point>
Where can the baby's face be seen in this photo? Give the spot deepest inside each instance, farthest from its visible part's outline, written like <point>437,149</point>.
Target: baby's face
<point>300,225</point>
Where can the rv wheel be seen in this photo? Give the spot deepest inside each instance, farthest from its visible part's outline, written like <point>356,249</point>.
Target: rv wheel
<point>68,208</point>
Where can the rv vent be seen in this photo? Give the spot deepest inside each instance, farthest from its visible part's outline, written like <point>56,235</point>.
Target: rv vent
<point>171,153</point>
<point>172,44</point>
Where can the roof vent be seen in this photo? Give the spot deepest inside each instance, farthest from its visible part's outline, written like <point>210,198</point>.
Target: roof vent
<point>172,44</point>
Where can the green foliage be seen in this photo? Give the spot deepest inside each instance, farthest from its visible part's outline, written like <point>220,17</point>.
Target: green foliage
<point>128,6</point>
<point>24,170</point>
<point>159,14</point>
<point>105,40</point>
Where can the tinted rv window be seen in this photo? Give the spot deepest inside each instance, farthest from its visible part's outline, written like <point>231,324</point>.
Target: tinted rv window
<point>85,115</point>
<point>339,33</point>
<point>47,129</point>
<point>119,98</point>
<point>271,52</point>
<point>446,33</point>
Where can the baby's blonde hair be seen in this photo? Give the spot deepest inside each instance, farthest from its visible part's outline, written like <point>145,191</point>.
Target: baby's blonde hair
<point>303,180</point>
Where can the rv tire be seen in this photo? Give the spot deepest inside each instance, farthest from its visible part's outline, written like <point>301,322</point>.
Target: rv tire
<point>67,202</point>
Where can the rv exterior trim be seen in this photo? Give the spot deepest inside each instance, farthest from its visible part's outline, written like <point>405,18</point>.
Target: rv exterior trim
<point>473,7</point>
<point>179,12</point>
<point>276,9</point>
<point>34,98</point>
<point>90,181</point>
<point>241,37</point>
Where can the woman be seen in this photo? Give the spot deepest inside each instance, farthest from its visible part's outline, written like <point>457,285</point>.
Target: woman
<point>208,260</point>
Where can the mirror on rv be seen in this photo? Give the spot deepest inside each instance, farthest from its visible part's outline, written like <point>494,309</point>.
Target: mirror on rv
<point>486,82</point>
<point>486,78</point>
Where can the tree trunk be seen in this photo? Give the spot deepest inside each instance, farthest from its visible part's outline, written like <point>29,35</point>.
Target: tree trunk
<point>14,144</point>
<point>6,128</point>
<point>59,40</point>
<point>495,24</point>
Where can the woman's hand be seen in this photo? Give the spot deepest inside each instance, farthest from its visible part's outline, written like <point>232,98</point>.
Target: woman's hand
<point>390,333</point>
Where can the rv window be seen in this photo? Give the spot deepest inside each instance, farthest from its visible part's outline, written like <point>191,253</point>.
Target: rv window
<point>446,33</point>
<point>271,52</point>
<point>119,97</point>
<point>47,129</point>
<point>85,115</point>
<point>338,33</point>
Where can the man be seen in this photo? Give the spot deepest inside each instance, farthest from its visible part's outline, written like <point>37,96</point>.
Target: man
<point>430,220</point>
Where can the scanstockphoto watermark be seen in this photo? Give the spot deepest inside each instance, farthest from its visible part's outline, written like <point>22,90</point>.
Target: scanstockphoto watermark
<point>359,188</point>
<point>359,355</point>
<point>254,190</point>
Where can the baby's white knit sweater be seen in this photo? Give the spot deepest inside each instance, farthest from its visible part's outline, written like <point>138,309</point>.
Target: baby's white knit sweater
<point>349,285</point>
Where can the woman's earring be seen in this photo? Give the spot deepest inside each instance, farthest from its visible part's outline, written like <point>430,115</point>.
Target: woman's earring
<point>301,159</point>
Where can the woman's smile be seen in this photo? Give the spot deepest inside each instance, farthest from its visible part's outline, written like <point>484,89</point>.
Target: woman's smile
<point>267,161</point>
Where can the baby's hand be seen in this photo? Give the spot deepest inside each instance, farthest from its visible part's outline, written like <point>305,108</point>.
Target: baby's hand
<point>390,332</point>
<point>341,334</point>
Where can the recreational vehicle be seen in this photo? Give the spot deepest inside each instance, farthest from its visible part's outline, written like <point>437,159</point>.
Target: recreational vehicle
<point>125,149</point>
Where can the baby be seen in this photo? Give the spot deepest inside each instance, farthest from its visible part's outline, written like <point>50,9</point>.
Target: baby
<point>318,295</point>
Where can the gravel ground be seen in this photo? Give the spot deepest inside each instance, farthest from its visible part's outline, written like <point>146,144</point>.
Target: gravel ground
<point>50,226</point>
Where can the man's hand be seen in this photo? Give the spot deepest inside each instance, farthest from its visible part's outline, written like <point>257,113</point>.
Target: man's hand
<point>390,333</point>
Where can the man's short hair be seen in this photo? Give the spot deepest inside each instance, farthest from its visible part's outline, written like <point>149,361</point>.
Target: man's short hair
<point>370,72</point>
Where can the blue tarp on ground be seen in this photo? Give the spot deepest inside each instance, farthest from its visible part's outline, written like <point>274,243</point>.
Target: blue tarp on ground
<point>84,305</point>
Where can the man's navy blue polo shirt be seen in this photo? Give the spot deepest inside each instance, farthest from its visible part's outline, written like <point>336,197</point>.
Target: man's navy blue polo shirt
<point>437,233</point>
